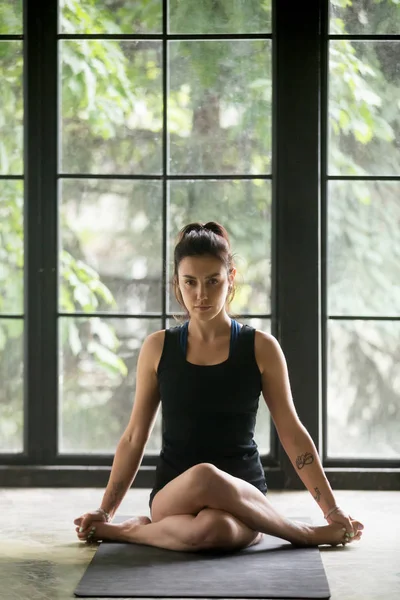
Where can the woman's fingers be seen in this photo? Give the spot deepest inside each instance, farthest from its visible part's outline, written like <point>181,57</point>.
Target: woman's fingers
<point>86,522</point>
<point>83,527</point>
<point>80,520</point>
<point>356,538</point>
<point>353,527</point>
<point>357,526</point>
<point>82,535</point>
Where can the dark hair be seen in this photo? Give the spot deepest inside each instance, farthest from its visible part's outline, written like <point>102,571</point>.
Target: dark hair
<point>197,239</point>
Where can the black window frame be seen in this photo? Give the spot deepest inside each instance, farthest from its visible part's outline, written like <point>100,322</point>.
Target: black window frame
<point>300,48</point>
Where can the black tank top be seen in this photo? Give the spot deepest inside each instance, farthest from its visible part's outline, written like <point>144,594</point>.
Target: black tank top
<point>209,411</point>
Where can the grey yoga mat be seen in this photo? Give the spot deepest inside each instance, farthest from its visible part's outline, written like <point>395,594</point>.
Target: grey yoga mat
<point>271,569</point>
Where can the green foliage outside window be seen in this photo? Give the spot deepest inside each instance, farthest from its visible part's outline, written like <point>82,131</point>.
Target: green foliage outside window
<point>219,121</point>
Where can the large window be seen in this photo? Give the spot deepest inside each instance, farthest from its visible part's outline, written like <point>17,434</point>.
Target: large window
<point>363,217</point>
<point>123,121</point>
<point>163,126</point>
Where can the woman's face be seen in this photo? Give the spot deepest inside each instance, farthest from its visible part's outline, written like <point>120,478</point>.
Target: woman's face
<point>204,284</point>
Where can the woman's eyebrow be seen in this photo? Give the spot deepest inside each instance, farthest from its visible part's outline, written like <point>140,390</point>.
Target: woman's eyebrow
<point>207,276</point>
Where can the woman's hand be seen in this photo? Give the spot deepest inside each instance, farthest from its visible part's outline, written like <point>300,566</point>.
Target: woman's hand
<point>86,521</point>
<point>353,527</point>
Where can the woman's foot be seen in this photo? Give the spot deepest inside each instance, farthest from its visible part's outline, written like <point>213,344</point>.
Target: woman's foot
<point>257,540</point>
<point>119,532</point>
<point>332,535</point>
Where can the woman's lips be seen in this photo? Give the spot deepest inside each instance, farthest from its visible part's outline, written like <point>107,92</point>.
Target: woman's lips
<point>202,307</point>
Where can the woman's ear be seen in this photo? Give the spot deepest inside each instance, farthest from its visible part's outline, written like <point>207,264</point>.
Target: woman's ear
<point>232,275</point>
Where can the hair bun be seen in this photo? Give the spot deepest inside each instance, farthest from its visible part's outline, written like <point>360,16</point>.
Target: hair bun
<point>217,229</point>
<point>189,228</point>
<point>211,226</point>
<point>214,227</point>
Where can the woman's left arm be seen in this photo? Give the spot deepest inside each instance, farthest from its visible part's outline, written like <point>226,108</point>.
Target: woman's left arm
<point>304,457</point>
<point>294,437</point>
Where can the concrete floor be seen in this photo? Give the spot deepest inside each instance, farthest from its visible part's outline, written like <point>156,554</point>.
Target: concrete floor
<point>42,559</point>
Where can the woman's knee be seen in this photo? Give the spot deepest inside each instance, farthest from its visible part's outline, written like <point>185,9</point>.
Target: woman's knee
<point>203,472</point>
<point>202,477</point>
<point>184,494</point>
<point>209,525</point>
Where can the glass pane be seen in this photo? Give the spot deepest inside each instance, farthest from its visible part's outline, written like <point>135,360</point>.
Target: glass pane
<point>226,16</point>
<point>12,385</point>
<point>97,380</point>
<point>379,18</point>
<point>11,247</point>
<point>111,107</point>
<point>364,134</point>
<point>110,16</point>
<point>111,253</point>
<point>11,108</point>
<point>364,389</point>
<point>219,107</point>
<point>244,209</point>
<point>10,17</point>
<point>262,433</point>
<point>364,248</point>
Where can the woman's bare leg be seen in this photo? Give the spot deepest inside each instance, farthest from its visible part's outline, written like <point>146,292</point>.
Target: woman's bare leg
<point>205,486</point>
<point>209,529</point>
<point>172,533</point>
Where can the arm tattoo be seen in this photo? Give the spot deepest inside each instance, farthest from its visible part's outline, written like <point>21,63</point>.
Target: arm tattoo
<point>116,494</point>
<point>317,494</point>
<point>304,459</point>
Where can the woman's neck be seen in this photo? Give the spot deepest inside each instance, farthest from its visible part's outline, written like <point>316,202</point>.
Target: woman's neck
<point>208,331</point>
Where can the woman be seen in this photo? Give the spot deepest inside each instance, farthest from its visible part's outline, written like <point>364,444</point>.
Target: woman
<point>209,373</point>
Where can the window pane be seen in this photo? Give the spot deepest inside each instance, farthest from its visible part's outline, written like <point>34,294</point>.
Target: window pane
<point>364,389</point>
<point>11,108</point>
<point>219,107</point>
<point>228,16</point>
<point>364,248</point>
<point>363,108</point>
<point>97,380</point>
<point>379,17</point>
<point>10,17</point>
<point>111,107</point>
<point>111,253</point>
<point>244,209</point>
<point>11,247</point>
<point>12,385</point>
<point>110,16</point>
<point>262,434</point>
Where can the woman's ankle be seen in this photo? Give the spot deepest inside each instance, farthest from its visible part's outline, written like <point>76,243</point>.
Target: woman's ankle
<point>306,535</point>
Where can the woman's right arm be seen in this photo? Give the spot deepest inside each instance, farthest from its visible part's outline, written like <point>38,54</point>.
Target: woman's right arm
<point>130,449</point>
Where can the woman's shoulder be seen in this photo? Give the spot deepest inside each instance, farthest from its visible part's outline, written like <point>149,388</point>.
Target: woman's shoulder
<point>266,347</point>
<point>154,341</point>
<point>152,348</point>
<point>153,345</point>
<point>157,337</point>
<point>264,340</point>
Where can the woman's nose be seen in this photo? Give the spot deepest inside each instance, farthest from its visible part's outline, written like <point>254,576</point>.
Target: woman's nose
<point>201,293</point>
